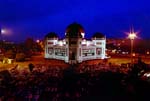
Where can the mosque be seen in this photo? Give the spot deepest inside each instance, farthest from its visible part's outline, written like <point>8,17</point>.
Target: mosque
<point>74,48</point>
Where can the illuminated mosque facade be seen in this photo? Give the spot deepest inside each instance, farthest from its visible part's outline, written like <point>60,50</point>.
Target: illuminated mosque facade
<point>74,48</point>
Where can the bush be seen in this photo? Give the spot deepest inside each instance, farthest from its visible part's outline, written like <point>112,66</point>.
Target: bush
<point>20,57</point>
<point>1,57</point>
<point>10,54</point>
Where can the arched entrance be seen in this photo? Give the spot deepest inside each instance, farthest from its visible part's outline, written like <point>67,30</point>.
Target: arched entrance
<point>72,55</point>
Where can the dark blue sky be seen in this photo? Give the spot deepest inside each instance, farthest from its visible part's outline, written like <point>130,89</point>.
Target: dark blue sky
<point>35,18</point>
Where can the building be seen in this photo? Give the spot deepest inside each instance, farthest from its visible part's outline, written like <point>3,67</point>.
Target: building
<point>74,48</point>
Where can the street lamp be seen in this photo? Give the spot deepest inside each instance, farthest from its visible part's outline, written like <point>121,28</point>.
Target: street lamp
<point>132,36</point>
<point>2,31</point>
<point>37,41</point>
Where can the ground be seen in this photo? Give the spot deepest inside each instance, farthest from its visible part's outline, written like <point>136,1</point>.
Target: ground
<point>117,60</point>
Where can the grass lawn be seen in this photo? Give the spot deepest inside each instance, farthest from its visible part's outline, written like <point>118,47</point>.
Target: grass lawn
<point>40,60</point>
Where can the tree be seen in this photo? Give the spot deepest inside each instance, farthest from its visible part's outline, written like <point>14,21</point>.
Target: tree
<point>29,43</point>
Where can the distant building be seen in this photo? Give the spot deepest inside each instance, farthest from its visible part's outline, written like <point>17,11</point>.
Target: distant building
<point>74,48</point>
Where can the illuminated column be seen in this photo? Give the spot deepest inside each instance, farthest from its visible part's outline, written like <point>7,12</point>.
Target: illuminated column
<point>95,51</point>
<point>46,48</point>
<point>66,56</point>
<point>103,49</point>
<point>95,54</point>
<point>53,52</point>
<point>81,54</point>
<point>67,50</point>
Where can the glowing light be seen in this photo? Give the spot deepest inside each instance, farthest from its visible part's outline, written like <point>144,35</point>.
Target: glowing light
<point>147,74</point>
<point>83,34</point>
<point>87,43</point>
<point>132,36</point>
<point>37,41</point>
<point>64,42</point>
<point>133,54</point>
<point>84,41</point>
<point>60,43</point>
<point>54,42</point>
<point>3,31</point>
<point>114,51</point>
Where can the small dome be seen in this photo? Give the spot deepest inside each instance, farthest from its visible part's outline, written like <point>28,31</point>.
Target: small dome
<point>74,30</point>
<point>98,35</point>
<point>51,35</point>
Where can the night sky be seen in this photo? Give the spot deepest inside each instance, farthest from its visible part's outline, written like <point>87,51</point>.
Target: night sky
<point>35,18</point>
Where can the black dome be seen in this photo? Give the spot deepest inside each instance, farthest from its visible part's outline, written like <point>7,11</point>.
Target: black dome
<point>51,35</point>
<point>74,30</point>
<point>98,35</point>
